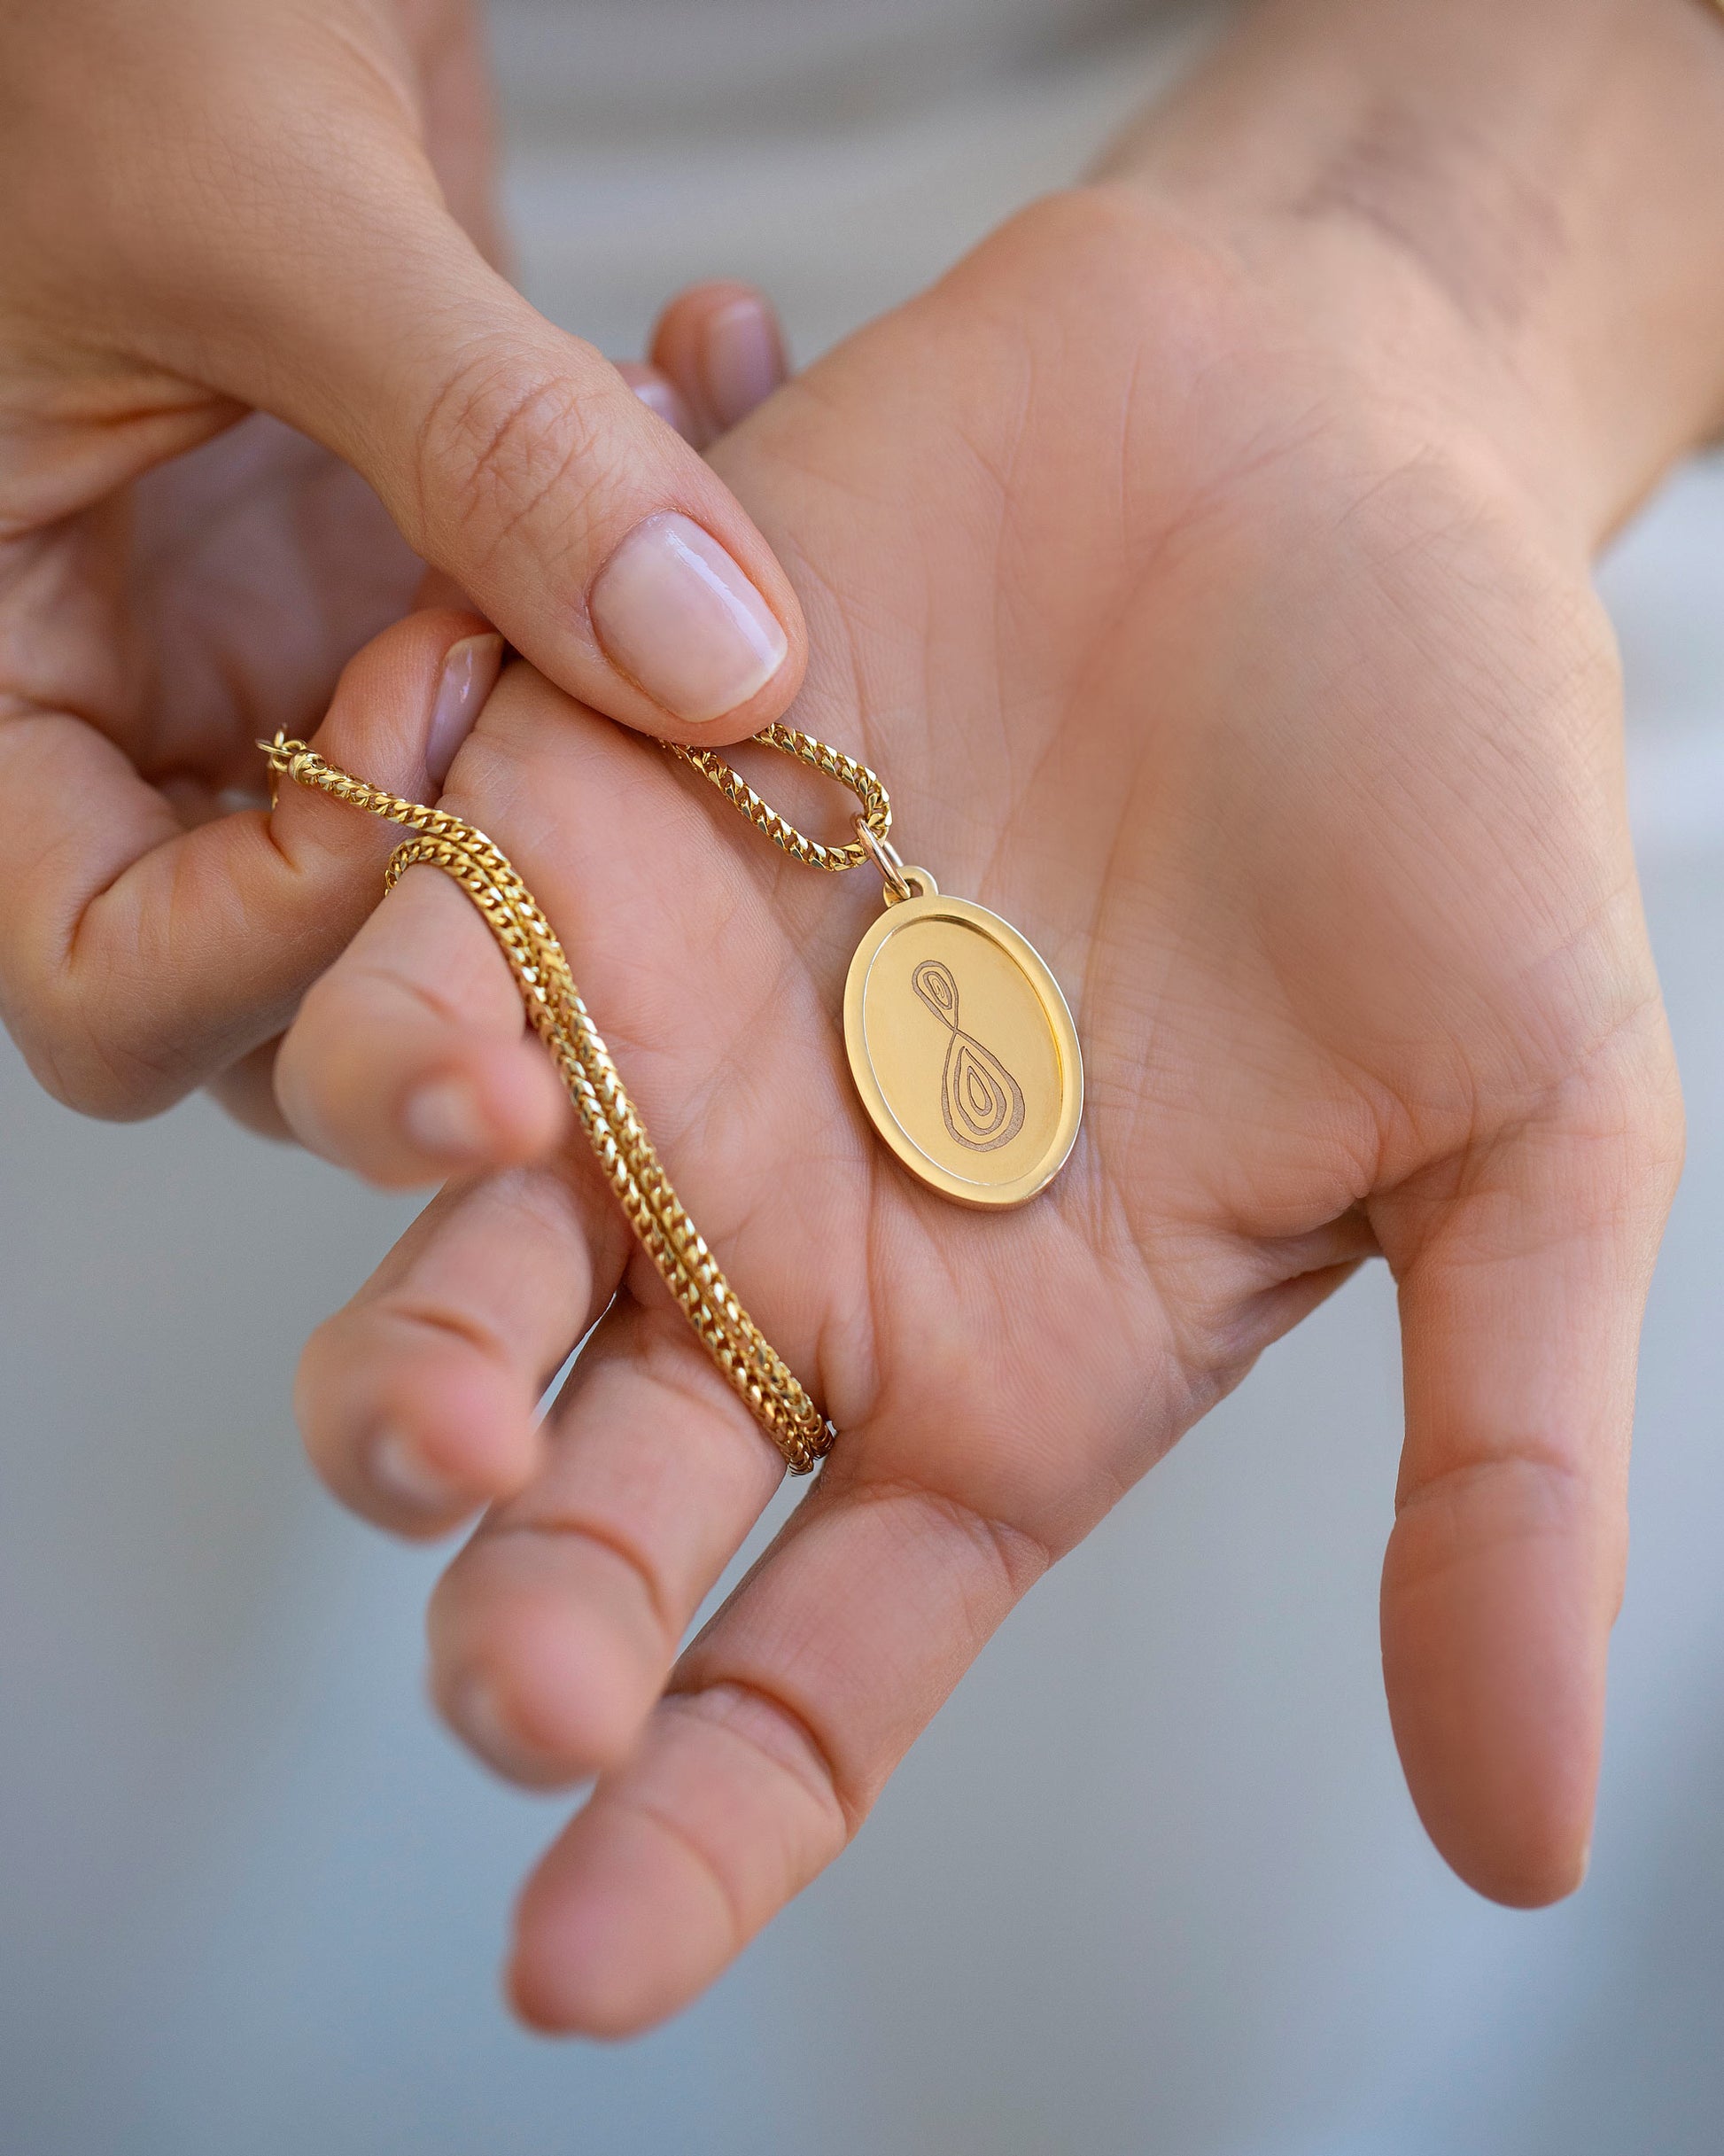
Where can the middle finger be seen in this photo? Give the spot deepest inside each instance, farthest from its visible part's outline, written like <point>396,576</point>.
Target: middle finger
<point>554,1630</point>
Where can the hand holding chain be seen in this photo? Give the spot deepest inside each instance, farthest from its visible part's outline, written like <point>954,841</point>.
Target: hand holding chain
<point>945,1100</point>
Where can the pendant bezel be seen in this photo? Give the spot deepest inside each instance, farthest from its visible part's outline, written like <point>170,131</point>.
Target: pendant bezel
<point>926,905</point>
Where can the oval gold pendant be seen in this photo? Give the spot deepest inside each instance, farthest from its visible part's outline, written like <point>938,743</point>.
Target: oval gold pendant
<point>963,1049</point>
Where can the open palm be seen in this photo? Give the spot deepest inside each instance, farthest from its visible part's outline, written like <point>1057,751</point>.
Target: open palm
<point>1288,735</point>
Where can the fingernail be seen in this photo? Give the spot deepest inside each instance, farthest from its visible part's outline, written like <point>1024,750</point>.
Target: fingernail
<point>469,674</point>
<point>664,398</point>
<point>477,1713</point>
<point>403,1479</point>
<point>742,363</point>
<point>442,1117</point>
<point>673,609</point>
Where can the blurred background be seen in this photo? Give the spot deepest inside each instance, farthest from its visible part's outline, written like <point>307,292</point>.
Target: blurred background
<point>1152,1883</point>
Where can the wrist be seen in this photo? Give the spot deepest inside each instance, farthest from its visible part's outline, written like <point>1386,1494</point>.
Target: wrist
<point>1515,213</point>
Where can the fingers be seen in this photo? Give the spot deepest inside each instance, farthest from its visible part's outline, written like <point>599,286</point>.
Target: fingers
<point>282,239</point>
<point>784,1721</point>
<point>417,1401</point>
<point>517,460</point>
<point>343,296</point>
<point>1521,1291</point>
<point>716,354</point>
<point>138,957</point>
<point>411,1061</point>
<point>412,1058</point>
<point>554,1630</point>
<point>722,346</point>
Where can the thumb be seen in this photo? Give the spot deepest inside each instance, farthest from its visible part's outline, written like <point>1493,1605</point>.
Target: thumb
<point>517,459</point>
<point>1522,1286</point>
<point>338,293</point>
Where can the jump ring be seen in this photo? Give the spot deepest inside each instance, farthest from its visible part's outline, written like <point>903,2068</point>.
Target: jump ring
<point>885,857</point>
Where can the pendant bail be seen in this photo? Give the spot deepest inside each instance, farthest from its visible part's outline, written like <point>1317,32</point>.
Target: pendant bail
<point>901,881</point>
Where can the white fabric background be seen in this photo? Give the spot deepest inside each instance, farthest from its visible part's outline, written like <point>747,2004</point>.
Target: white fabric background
<point>1152,1883</point>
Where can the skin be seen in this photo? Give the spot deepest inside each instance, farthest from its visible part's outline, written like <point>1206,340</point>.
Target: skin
<point>1205,565</point>
<point>249,388</point>
<point>1284,720</point>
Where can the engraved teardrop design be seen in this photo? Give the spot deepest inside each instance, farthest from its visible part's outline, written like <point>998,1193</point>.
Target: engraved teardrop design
<point>986,1113</point>
<point>981,1102</point>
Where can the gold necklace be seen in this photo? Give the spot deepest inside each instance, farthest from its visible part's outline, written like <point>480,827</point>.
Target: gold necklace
<point>962,1045</point>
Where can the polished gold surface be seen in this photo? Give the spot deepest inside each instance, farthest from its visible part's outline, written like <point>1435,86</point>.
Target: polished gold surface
<point>612,1124</point>
<point>963,1049</point>
<point>875,824</point>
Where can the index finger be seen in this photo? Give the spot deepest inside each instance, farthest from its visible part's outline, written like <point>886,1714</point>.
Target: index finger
<point>138,957</point>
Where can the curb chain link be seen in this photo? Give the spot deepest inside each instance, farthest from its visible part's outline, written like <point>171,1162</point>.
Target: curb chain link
<point>624,1152</point>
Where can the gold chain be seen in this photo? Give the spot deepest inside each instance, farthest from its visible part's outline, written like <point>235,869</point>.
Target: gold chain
<point>877,817</point>
<point>613,1126</point>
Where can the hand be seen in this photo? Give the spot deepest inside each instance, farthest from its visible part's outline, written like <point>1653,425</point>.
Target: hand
<point>287,208</point>
<point>1271,704</point>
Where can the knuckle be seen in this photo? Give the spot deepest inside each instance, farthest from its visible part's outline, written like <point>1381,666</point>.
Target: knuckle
<point>1635,1085</point>
<point>93,1073</point>
<point>1617,1112</point>
<point>1660,1136</point>
<point>505,445</point>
